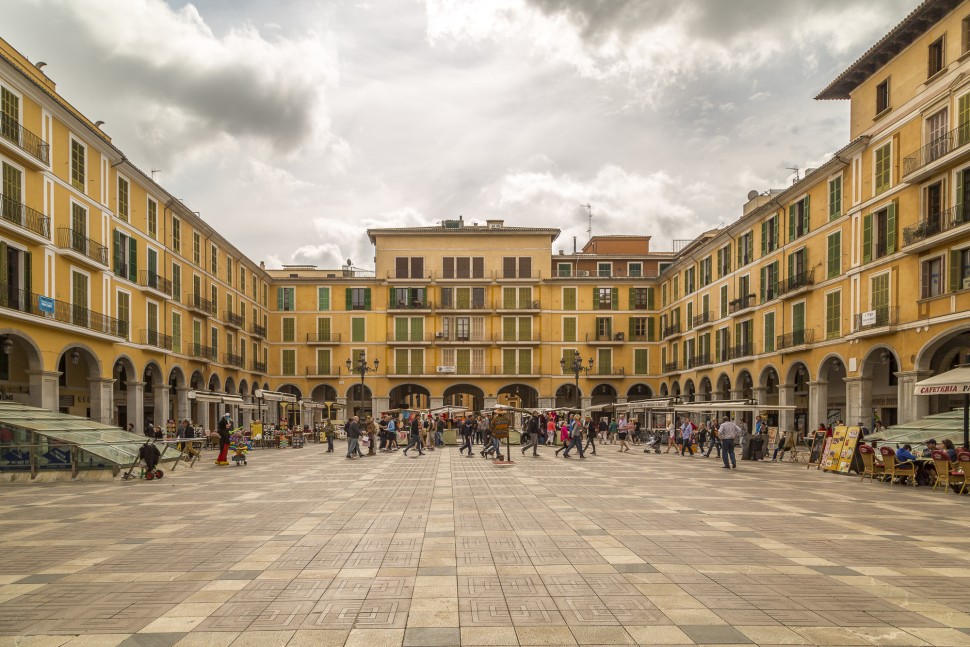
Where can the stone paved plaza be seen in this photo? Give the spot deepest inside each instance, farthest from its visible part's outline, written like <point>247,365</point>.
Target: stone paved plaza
<point>304,548</point>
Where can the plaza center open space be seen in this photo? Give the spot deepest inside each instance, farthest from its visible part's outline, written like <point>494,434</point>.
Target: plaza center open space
<point>302,548</point>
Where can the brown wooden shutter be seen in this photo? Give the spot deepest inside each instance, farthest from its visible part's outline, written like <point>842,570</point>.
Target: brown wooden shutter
<point>464,267</point>
<point>417,267</point>
<point>478,267</point>
<point>508,267</point>
<point>401,267</point>
<point>448,267</point>
<point>525,267</point>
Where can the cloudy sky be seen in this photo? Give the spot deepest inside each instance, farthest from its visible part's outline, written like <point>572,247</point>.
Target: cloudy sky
<point>293,125</point>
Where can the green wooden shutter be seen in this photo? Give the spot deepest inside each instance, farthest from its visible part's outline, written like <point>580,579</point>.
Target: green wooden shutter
<point>955,282</point>
<point>357,329</point>
<point>791,266</point>
<point>959,202</point>
<point>651,329</point>
<point>774,228</point>
<point>963,117</point>
<point>640,361</point>
<point>400,329</point>
<point>401,361</point>
<point>391,303</point>
<point>891,228</point>
<point>525,361</point>
<point>632,298</point>
<point>720,263</point>
<point>806,227</point>
<point>508,328</point>
<point>867,238</point>
<point>763,282</point>
<point>508,298</point>
<point>717,345</point>
<point>740,249</point>
<point>117,252</point>
<point>348,294</point>
<point>4,269</point>
<point>569,329</point>
<point>417,328</point>
<point>596,298</point>
<point>791,222</point>
<point>508,361</point>
<point>366,298</point>
<point>764,239</point>
<point>834,255</point>
<point>28,287</point>
<point>650,298</point>
<point>525,328</point>
<point>769,332</point>
<point>616,298</point>
<point>323,298</point>
<point>323,329</point>
<point>132,260</point>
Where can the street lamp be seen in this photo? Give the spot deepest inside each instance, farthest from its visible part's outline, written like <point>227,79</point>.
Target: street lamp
<point>362,368</point>
<point>576,367</point>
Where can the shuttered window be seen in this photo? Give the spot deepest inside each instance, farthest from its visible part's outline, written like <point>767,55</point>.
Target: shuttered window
<point>569,329</point>
<point>640,363</point>
<point>833,314</point>
<point>834,254</point>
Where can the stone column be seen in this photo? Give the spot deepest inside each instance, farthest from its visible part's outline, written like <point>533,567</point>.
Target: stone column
<point>858,400</point>
<point>379,404</point>
<point>136,406</point>
<point>818,401</point>
<point>201,415</point>
<point>786,397</point>
<point>182,404</point>
<point>102,400</point>
<point>587,403</point>
<point>45,389</point>
<point>547,403</point>
<point>760,394</point>
<point>911,406</point>
<point>341,413</point>
<point>436,402</point>
<point>490,402</point>
<point>160,391</point>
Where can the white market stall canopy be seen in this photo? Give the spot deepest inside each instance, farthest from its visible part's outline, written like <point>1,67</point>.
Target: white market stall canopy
<point>275,396</point>
<point>731,405</point>
<point>954,382</point>
<point>645,405</point>
<point>216,398</point>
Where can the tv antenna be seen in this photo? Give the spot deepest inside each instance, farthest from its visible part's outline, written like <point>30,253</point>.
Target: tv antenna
<point>154,171</point>
<point>794,169</point>
<point>589,228</point>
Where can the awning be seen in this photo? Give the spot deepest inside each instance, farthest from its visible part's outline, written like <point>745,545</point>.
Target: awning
<point>232,399</point>
<point>954,382</point>
<point>206,396</point>
<point>638,405</point>
<point>731,405</point>
<point>245,406</point>
<point>275,396</point>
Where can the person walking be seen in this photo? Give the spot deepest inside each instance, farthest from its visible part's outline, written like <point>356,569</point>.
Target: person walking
<point>329,432</point>
<point>468,427</point>
<point>575,437</point>
<point>592,431</point>
<point>715,442</point>
<point>622,431</point>
<point>701,437</point>
<point>670,437</point>
<point>551,431</point>
<point>224,430</point>
<point>686,437</point>
<point>353,437</point>
<point>532,428</point>
<point>439,431</point>
<point>390,431</point>
<point>186,432</point>
<point>414,437</point>
<point>563,436</point>
<point>371,428</point>
<point>728,432</point>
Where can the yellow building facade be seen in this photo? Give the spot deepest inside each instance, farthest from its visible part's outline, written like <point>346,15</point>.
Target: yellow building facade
<point>834,295</point>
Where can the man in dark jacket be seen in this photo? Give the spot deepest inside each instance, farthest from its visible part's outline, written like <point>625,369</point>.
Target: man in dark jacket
<point>186,432</point>
<point>414,435</point>
<point>532,429</point>
<point>224,428</point>
<point>353,437</point>
<point>468,427</point>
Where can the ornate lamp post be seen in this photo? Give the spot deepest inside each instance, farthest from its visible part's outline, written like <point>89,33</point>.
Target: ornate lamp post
<point>362,368</point>
<point>576,367</point>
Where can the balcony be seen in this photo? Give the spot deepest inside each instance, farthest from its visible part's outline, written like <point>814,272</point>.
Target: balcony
<point>668,331</point>
<point>670,367</point>
<point>517,338</point>
<point>742,303</point>
<point>697,361</point>
<point>234,360</point>
<point>412,305</point>
<point>410,369</point>
<point>465,275</point>
<point>156,282</point>
<point>200,304</point>
<point>794,340</point>
<point>460,369</point>
<point>608,371</point>
<point>701,320</point>
<point>600,275</point>
<point>323,371</point>
<point>37,150</point>
<point>639,336</point>
<point>258,331</point>
<point>13,298</point>
<point>204,353</point>
<point>24,217</point>
<point>234,320</point>
<point>740,351</point>
<point>796,284</point>
<point>516,369</point>
<point>934,224</point>
<point>323,339</point>
<point>940,151</point>
<point>503,275</point>
<point>877,319</point>
<point>523,304</point>
<point>156,339</point>
<point>460,338</point>
<point>409,339</point>
<point>82,247</point>
<point>605,338</point>
<point>259,367</point>
<point>463,305</point>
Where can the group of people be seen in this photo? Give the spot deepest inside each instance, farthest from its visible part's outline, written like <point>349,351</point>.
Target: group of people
<point>723,437</point>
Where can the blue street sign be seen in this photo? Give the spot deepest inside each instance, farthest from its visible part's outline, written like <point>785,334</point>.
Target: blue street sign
<point>45,304</point>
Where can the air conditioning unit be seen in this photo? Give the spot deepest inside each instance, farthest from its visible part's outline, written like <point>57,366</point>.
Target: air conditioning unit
<point>618,336</point>
<point>582,273</point>
<point>439,335</point>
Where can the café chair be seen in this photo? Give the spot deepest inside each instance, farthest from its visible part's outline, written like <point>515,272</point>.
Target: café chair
<point>946,473</point>
<point>963,463</point>
<point>870,466</point>
<point>894,468</point>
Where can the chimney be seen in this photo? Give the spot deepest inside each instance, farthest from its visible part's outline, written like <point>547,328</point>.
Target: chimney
<point>574,244</point>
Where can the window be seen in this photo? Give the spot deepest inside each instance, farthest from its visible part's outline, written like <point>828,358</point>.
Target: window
<point>604,328</point>
<point>937,135</point>
<point>176,235</point>
<point>769,332</point>
<point>706,272</point>
<point>641,298</point>
<point>879,233</point>
<point>569,328</point>
<point>407,298</point>
<point>641,365</point>
<point>323,329</point>
<point>960,261</point>
<point>176,282</point>
<point>937,58</point>
<point>931,278</point>
<point>125,256</point>
<point>152,219</point>
<point>229,271</point>
<point>123,312</point>
<point>640,329</point>
<point>357,329</point>
<point>289,329</point>
<point>517,298</point>
<point>882,97</point>
<point>9,114</point>
<point>769,235</point>
<point>965,35</point>
<point>835,198</point>
<point>405,329</point>
<point>197,248</point>
<point>634,269</point>
<point>663,295</point>
<point>603,299</point>
<point>724,301</point>
<point>798,219</point>
<point>214,341</point>
<point>358,298</point>
<point>689,280</point>
<point>604,361</point>
<point>516,267</point>
<point>745,249</point>
<point>882,167</point>
<point>78,168</point>
<point>463,267</point>
<point>798,323</point>
<point>516,328</point>
<point>177,332</point>
<point>604,270</point>
<point>833,314</point>
<point>769,282</point>
<point>564,269</point>
<point>406,267</point>
<point>79,299</point>
<point>323,299</point>
<point>724,261</point>
<point>286,299</point>
<point>123,203</point>
<point>797,269</point>
<point>289,361</point>
<point>932,209</point>
<point>879,296</point>
<point>323,361</point>
<point>569,298</point>
<point>213,297</point>
<point>834,254</point>
<point>214,260</point>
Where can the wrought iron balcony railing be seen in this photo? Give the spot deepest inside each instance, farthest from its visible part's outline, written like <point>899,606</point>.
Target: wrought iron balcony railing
<point>234,320</point>
<point>800,280</point>
<point>323,338</point>
<point>234,360</point>
<point>937,149</point>
<point>258,331</point>
<point>156,282</point>
<point>35,304</point>
<point>77,242</point>
<point>203,352</point>
<point>796,338</point>
<point>670,330</point>
<point>741,350</point>
<point>877,318</point>
<point>936,223</point>
<point>259,367</point>
<point>25,140</point>
<point>200,304</point>
<point>23,216</point>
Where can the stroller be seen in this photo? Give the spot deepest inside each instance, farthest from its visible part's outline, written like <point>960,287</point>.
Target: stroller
<point>654,442</point>
<point>150,456</point>
<point>240,447</point>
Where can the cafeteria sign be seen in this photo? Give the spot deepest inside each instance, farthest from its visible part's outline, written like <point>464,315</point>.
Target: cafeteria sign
<point>953,382</point>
